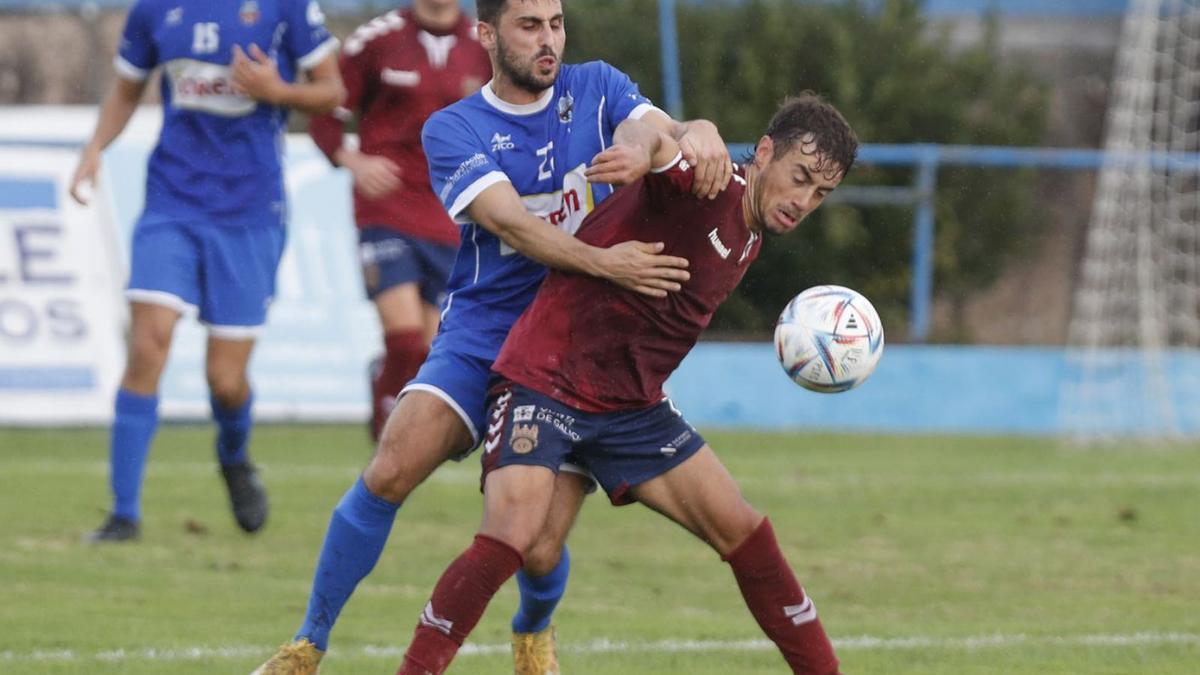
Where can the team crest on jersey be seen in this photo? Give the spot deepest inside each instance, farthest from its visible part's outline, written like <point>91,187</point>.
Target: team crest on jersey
<point>524,438</point>
<point>174,17</point>
<point>566,107</point>
<point>249,13</point>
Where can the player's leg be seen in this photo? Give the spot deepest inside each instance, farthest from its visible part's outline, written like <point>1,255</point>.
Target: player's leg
<point>238,285</point>
<point>543,579</point>
<point>520,464</point>
<point>162,286</point>
<point>232,401</point>
<point>404,286</point>
<point>429,425</point>
<point>135,417</point>
<point>703,497</point>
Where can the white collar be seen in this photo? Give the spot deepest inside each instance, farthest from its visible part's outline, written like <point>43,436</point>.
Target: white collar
<point>517,109</point>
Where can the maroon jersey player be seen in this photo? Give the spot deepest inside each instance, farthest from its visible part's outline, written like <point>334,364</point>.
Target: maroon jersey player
<point>581,375</point>
<point>399,69</point>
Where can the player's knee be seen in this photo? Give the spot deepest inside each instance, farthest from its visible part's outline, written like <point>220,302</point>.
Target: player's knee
<point>734,527</point>
<point>229,388</point>
<point>543,556</point>
<point>147,356</point>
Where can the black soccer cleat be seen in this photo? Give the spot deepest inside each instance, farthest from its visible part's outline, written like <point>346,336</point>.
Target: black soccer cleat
<point>115,529</point>
<point>246,495</point>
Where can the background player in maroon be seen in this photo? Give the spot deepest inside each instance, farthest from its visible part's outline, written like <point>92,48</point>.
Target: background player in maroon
<point>582,373</point>
<point>399,69</point>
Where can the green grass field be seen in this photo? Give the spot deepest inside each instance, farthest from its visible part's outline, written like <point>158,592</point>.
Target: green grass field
<point>924,554</point>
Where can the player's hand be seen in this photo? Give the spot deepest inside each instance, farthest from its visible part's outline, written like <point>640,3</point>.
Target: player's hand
<point>85,175</point>
<point>638,266</point>
<point>703,148</point>
<point>618,165</point>
<point>374,176</point>
<point>256,75</point>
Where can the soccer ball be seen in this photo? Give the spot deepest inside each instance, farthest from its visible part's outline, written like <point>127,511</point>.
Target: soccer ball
<point>829,339</point>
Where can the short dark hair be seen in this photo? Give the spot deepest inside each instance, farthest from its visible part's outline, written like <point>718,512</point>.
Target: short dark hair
<point>808,113</point>
<point>489,11</point>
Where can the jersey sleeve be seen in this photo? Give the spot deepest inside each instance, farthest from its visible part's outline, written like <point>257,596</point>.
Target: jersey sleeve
<point>460,166</point>
<point>669,181</point>
<point>624,100</point>
<point>307,41</point>
<point>328,130</point>
<point>137,54</point>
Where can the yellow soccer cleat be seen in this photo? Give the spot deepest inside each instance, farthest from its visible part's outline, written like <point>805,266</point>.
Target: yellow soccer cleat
<point>295,658</point>
<point>534,654</point>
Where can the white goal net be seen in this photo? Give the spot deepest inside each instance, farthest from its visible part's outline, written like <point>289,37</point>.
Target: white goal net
<point>1133,361</point>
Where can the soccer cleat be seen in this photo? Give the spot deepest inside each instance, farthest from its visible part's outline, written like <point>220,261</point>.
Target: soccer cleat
<point>534,654</point>
<point>246,495</point>
<point>116,529</point>
<point>295,658</point>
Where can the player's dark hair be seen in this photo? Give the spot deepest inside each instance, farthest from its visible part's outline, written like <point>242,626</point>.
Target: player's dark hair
<point>832,137</point>
<point>489,11</point>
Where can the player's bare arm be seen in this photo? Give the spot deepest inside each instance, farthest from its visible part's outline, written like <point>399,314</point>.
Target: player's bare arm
<point>702,146</point>
<point>637,148</point>
<point>634,265</point>
<point>256,75</point>
<point>119,104</point>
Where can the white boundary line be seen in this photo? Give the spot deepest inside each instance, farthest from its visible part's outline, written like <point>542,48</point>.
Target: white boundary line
<point>606,646</point>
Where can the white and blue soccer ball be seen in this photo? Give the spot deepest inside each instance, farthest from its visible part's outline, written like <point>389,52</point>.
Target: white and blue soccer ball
<point>829,339</point>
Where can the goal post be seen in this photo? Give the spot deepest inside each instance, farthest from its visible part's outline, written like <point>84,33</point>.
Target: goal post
<point>1133,368</point>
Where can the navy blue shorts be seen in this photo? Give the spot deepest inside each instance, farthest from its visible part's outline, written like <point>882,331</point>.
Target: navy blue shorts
<point>390,259</point>
<point>621,449</point>
<point>224,273</point>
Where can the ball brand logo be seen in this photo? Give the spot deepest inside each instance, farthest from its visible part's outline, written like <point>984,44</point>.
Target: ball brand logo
<point>524,438</point>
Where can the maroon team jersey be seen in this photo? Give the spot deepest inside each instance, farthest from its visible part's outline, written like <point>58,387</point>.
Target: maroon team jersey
<point>397,73</point>
<point>598,347</point>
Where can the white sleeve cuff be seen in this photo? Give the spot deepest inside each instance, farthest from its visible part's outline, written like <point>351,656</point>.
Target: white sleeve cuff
<point>318,54</point>
<point>468,195</point>
<point>128,71</point>
<point>674,160</point>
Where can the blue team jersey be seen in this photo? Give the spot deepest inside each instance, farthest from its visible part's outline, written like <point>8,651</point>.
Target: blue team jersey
<point>218,158</point>
<point>542,148</point>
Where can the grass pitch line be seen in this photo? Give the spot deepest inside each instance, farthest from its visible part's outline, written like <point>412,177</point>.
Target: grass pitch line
<point>606,646</point>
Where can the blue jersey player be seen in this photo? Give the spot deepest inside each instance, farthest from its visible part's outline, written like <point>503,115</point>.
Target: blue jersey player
<point>212,231</point>
<point>509,163</point>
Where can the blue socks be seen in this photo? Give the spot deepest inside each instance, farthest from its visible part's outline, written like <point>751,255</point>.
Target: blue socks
<point>233,431</point>
<point>358,530</point>
<point>540,595</point>
<point>133,428</point>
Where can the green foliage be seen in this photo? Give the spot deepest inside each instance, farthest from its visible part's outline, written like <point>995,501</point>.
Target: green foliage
<point>897,80</point>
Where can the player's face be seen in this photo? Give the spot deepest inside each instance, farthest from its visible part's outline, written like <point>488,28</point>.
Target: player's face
<point>790,184</point>
<point>529,43</point>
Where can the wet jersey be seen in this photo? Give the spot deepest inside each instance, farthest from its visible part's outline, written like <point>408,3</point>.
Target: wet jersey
<point>542,149</point>
<point>598,347</point>
<point>218,157</point>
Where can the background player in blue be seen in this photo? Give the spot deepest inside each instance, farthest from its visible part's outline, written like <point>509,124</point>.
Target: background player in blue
<point>508,163</point>
<point>212,231</point>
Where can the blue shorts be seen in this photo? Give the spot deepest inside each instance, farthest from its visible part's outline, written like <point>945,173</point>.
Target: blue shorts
<point>621,449</point>
<point>227,273</point>
<point>390,258</point>
<point>460,380</point>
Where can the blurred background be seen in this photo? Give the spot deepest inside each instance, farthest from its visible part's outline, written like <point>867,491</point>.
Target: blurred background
<point>965,223</point>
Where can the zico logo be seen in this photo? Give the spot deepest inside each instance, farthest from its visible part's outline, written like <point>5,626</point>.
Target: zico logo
<point>207,87</point>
